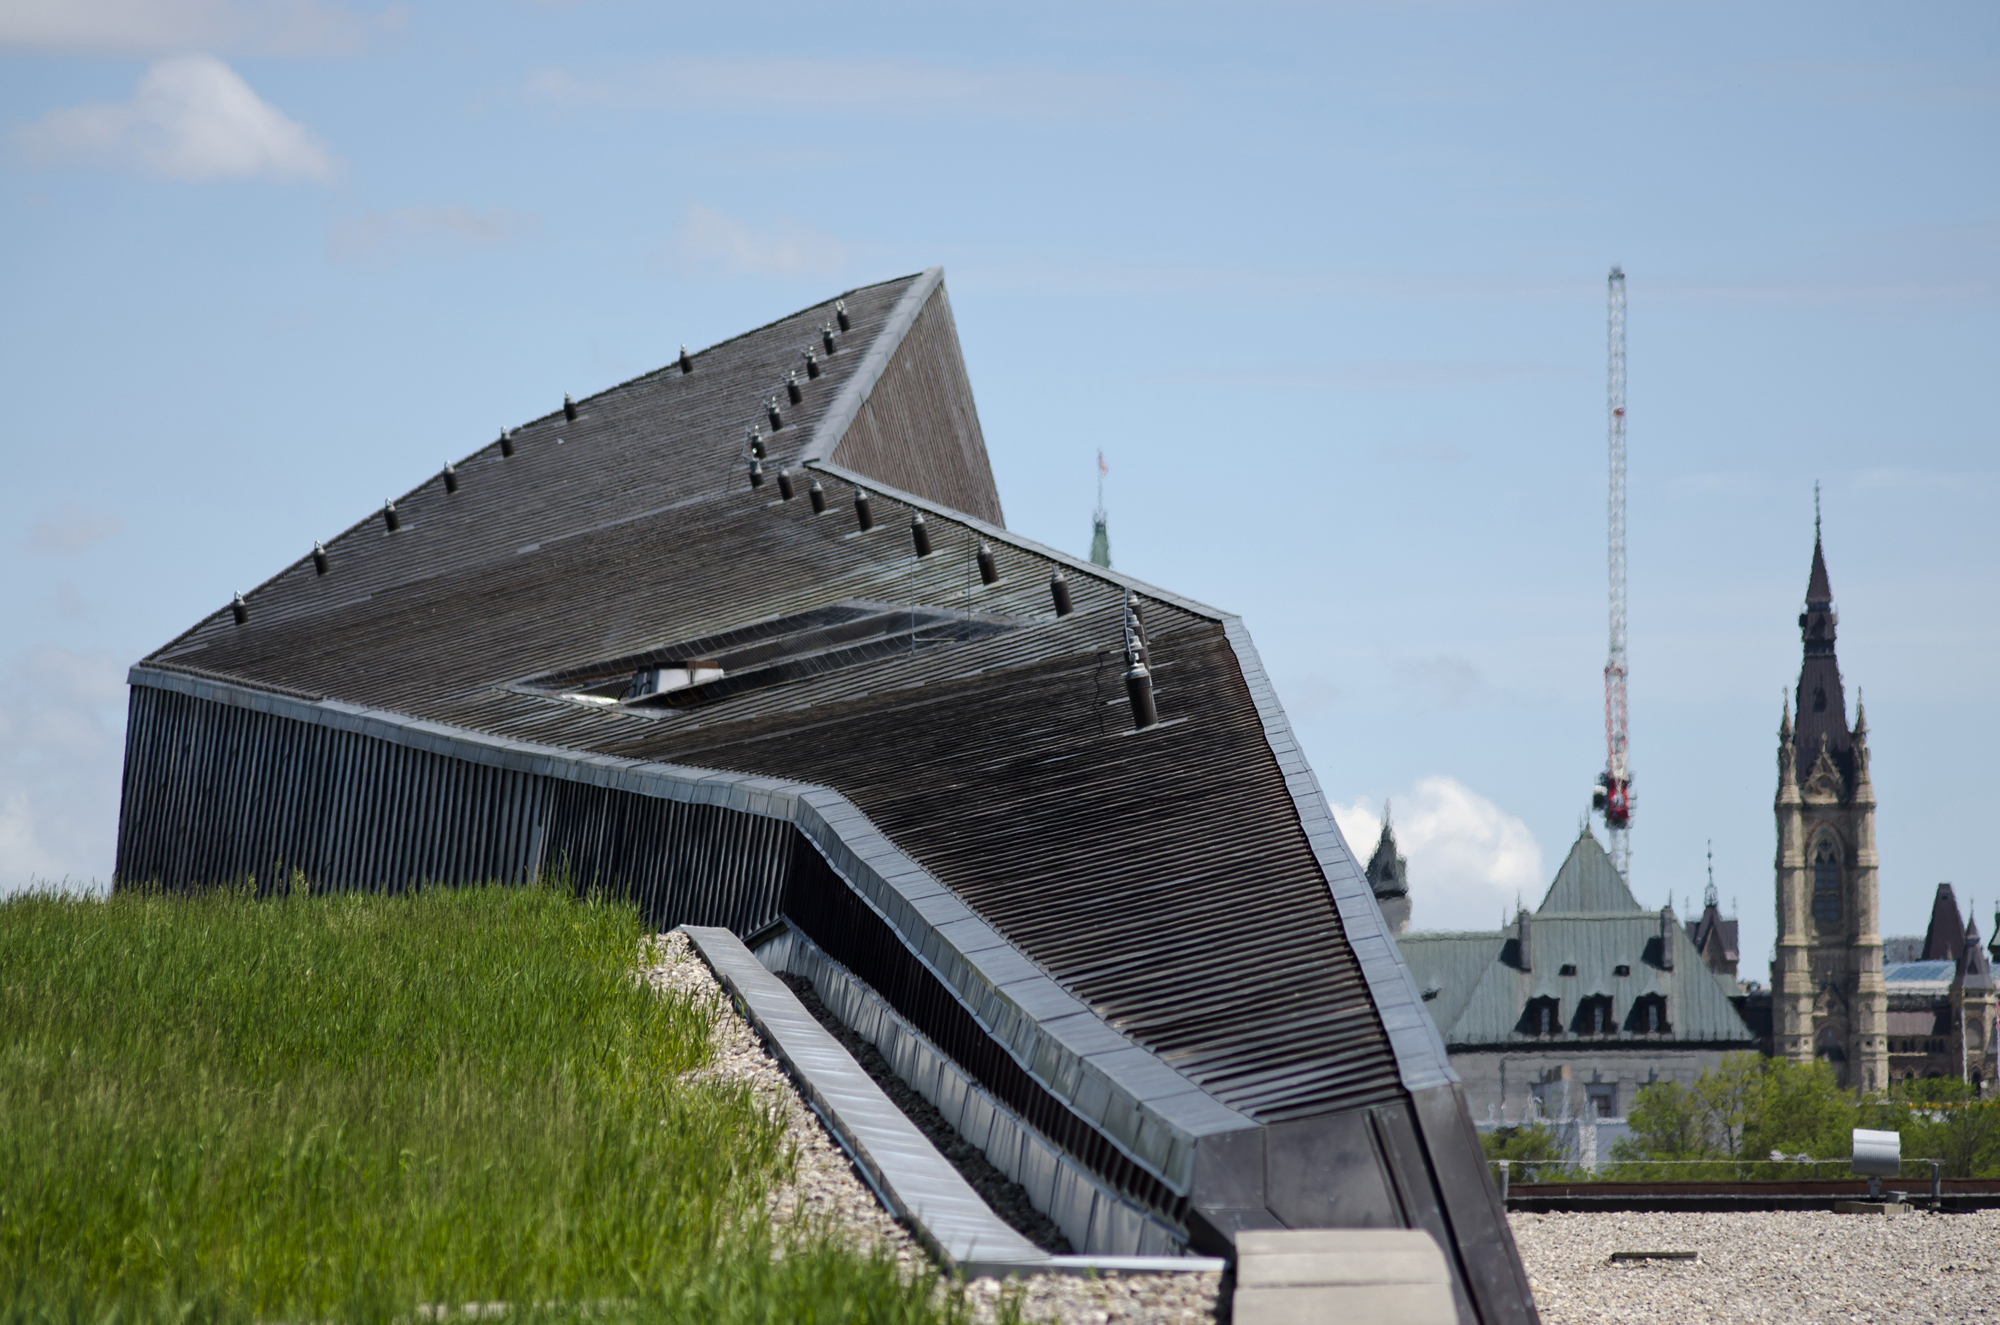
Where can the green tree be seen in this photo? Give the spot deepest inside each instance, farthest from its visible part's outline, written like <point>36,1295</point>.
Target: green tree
<point>1740,1111</point>
<point>1527,1145</point>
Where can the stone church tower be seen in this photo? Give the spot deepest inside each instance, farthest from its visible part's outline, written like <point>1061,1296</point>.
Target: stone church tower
<point>1828,998</point>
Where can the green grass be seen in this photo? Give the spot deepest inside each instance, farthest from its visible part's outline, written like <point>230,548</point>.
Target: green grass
<point>343,1108</point>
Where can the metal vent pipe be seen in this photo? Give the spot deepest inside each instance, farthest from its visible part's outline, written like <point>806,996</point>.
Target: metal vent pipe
<point>687,364</point>
<point>988,572</point>
<point>1059,590</point>
<point>785,492</point>
<point>862,515</point>
<point>920,534</point>
<point>569,408</point>
<point>240,610</point>
<point>319,558</point>
<point>817,496</point>
<point>390,518</point>
<point>450,477</point>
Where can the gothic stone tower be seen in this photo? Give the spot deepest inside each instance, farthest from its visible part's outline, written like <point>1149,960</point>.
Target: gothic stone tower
<point>1828,997</point>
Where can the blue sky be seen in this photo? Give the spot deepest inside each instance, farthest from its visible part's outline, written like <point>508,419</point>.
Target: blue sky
<point>1324,282</point>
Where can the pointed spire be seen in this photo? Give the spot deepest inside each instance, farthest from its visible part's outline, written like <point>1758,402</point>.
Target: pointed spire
<point>1819,589</point>
<point>1785,724</point>
<point>1861,717</point>
<point>1708,898</point>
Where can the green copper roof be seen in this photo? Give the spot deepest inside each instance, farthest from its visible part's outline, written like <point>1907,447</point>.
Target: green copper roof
<point>1588,884</point>
<point>1477,991</point>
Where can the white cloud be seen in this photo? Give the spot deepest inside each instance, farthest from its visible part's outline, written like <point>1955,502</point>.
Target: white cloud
<point>373,238</point>
<point>709,240</point>
<point>866,87</point>
<point>191,118</point>
<point>72,529</point>
<point>151,27</point>
<point>1470,861</point>
<point>61,749</point>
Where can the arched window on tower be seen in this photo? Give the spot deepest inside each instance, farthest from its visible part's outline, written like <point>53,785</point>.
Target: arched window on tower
<point>1826,884</point>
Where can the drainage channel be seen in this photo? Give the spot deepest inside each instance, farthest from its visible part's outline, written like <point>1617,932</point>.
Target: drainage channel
<point>908,1174</point>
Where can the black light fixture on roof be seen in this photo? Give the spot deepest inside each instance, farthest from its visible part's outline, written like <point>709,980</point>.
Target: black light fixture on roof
<point>319,558</point>
<point>826,338</point>
<point>1059,590</point>
<point>240,610</point>
<point>920,534</point>
<point>1139,689</point>
<point>792,387</point>
<point>840,313</point>
<point>754,440</point>
<point>687,364</point>
<point>756,471</point>
<point>506,441</point>
<point>812,363</point>
<point>450,477</point>
<point>1135,626</point>
<point>569,408</point>
<point>785,492</point>
<point>863,516</point>
<point>771,413</point>
<point>988,572</point>
<point>817,496</point>
<point>390,518</point>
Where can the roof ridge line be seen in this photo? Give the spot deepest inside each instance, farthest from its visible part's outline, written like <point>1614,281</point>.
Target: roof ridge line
<point>833,425</point>
<point>1000,534</point>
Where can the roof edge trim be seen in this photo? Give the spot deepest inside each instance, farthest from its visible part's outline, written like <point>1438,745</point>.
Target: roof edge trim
<point>997,534</point>
<point>914,902</point>
<point>1421,1059</point>
<point>839,416</point>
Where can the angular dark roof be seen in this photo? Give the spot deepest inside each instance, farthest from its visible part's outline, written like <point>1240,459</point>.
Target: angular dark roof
<point>1004,765</point>
<point>604,646</point>
<point>1945,939</point>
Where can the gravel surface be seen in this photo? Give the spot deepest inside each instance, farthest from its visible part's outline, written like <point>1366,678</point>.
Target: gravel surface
<point>1009,1199</point>
<point>825,1184</point>
<point>1799,1268</point>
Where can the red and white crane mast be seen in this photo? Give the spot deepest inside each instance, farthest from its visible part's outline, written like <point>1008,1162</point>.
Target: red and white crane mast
<point>1613,796</point>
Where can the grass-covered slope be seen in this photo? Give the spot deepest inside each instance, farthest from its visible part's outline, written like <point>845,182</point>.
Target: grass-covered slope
<point>345,1108</point>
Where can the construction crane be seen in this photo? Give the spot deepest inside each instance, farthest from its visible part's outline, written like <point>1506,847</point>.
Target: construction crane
<point>1613,795</point>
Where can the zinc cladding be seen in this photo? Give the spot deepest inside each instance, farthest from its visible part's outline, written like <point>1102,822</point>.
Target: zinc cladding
<point>1483,992</point>
<point>1142,873</point>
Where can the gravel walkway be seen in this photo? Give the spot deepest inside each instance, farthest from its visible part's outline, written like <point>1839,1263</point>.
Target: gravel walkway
<point>1797,1268</point>
<point>825,1184</point>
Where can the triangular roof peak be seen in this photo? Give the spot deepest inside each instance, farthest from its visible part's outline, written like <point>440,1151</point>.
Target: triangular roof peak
<point>1588,883</point>
<point>1945,939</point>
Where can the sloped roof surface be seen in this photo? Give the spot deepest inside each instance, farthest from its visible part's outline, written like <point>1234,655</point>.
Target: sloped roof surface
<point>1587,883</point>
<point>1143,872</point>
<point>1944,940</point>
<point>1589,923</point>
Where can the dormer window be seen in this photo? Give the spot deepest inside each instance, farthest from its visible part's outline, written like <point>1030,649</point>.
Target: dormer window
<point>1621,970</point>
<point>1593,1016</point>
<point>1568,968</point>
<point>1649,1015</point>
<point>1543,1017</point>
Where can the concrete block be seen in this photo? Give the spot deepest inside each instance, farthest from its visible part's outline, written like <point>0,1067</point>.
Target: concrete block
<point>1357,1276</point>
